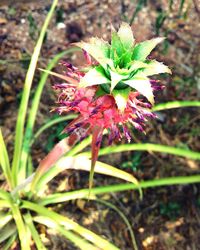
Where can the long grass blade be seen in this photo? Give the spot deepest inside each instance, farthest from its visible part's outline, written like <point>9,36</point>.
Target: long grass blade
<point>124,218</point>
<point>19,132</point>
<point>51,123</point>
<point>148,147</point>
<point>70,225</point>
<point>34,232</point>
<point>78,241</point>
<point>9,242</point>
<point>7,232</point>
<point>34,109</point>
<point>4,219</point>
<point>83,193</point>
<point>4,161</point>
<point>21,228</point>
<point>176,104</point>
<point>83,163</point>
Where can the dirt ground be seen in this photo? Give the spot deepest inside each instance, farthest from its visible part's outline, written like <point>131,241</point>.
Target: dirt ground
<point>167,217</point>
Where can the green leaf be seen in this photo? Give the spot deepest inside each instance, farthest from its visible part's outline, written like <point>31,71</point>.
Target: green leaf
<point>83,193</point>
<point>142,85</point>
<point>33,112</point>
<point>116,45</point>
<point>124,218</point>
<point>7,231</point>
<point>148,147</point>
<point>143,49</point>
<point>51,158</point>
<point>126,35</point>
<point>51,123</point>
<point>19,131</point>
<point>4,219</point>
<point>5,195</point>
<point>154,67</point>
<point>9,242</point>
<point>125,59</point>
<point>134,65</point>
<point>98,49</point>
<point>176,104</point>
<point>77,240</point>
<point>70,225</point>
<point>115,79</point>
<point>121,97</point>
<point>4,161</point>
<point>4,204</point>
<point>82,163</point>
<point>95,76</point>
<point>21,228</point>
<point>34,232</point>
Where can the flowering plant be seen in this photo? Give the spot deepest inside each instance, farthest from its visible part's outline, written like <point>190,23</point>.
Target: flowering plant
<point>111,91</point>
<point>103,104</point>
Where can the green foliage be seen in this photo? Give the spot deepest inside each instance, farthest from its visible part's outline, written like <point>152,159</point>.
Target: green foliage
<point>134,162</point>
<point>33,29</point>
<point>170,209</point>
<point>122,64</point>
<point>160,21</point>
<point>139,6</point>
<point>59,15</point>
<point>55,135</point>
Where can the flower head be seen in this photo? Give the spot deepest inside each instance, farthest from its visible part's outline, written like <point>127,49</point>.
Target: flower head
<point>112,91</point>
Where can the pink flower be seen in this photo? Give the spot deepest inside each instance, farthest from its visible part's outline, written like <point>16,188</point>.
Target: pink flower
<point>114,90</point>
<point>97,113</point>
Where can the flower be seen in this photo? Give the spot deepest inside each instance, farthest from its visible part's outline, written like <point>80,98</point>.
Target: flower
<point>112,91</point>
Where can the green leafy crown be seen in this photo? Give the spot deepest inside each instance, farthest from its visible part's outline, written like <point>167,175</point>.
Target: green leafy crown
<point>123,65</point>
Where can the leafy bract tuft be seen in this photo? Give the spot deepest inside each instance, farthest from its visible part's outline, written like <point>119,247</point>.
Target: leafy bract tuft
<point>123,64</point>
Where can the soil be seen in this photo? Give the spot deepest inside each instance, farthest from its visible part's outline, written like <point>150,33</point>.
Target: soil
<point>167,217</point>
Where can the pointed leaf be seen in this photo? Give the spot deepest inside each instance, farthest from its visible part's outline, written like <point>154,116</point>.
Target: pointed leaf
<point>7,231</point>
<point>115,78</point>
<point>98,49</point>
<point>154,67</point>
<point>125,59</point>
<point>4,219</point>
<point>143,49</point>
<point>94,76</point>
<point>69,224</point>
<point>63,77</point>
<point>83,163</point>
<point>116,45</point>
<point>142,85</point>
<point>96,143</point>
<point>4,160</point>
<point>34,232</point>
<point>53,156</point>
<point>126,35</point>
<point>121,97</point>
<point>137,65</point>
